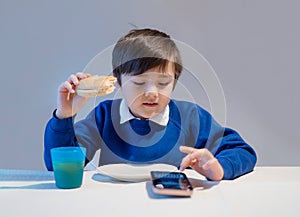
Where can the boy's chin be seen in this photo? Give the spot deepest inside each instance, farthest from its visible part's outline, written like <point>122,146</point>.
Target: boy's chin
<point>146,116</point>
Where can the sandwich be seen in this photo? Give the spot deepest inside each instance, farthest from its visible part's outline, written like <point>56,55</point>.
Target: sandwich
<point>96,85</point>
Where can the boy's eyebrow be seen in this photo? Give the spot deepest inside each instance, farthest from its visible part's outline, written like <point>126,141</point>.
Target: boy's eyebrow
<point>162,75</point>
<point>165,75</point>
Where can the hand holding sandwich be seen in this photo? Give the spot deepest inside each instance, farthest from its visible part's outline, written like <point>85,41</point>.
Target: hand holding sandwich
<point>74,93</point>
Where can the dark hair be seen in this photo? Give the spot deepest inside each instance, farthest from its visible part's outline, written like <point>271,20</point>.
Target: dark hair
<point>144,49</point>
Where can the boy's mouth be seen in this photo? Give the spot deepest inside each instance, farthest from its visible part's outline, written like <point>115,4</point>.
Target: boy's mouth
<point>150,104</point>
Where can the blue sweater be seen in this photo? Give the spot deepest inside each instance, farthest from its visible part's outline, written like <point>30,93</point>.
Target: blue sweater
<point>144,141</point>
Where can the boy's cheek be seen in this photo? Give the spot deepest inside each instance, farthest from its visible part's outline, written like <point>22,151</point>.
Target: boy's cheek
<point>167,92</point>
<point>133,95</point>
<point>132,98</point>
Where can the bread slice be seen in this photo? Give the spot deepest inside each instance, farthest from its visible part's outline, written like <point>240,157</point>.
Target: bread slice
<point>96,85</point>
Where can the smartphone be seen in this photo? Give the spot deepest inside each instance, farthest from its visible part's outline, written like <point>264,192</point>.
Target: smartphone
<point>171,183</point>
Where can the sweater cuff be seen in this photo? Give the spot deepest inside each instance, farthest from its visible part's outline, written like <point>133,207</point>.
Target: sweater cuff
<point>227,167</point>
<point>61,125</point>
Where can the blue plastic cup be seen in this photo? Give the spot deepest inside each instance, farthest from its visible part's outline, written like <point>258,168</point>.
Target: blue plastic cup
<point>68,164</point>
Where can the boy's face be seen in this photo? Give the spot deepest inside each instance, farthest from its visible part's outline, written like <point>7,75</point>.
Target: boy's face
<point>149,93</point>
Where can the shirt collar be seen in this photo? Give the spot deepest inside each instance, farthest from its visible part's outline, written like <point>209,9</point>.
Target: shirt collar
<point>161,118</point>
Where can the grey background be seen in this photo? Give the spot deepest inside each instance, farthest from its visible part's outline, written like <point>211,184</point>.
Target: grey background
<point>253,47</point>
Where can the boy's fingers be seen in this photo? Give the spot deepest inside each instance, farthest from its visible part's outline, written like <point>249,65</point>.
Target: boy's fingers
<point>185,162</point>
<point>68,86</point>
<point>204,158</point>
<point>82,75</point>
<point>209,163</point>
<point>195,153</point>
<point>186,150</point>
<point>188,160</point>
<point>73,79</point>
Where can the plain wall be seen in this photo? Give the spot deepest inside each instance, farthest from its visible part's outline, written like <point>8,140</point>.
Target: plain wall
<point>253,47</point>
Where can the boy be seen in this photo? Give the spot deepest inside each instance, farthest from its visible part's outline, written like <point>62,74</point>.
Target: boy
<point>146,126</point>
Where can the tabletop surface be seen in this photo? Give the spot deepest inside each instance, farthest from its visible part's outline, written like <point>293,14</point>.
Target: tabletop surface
<point>267,191</point>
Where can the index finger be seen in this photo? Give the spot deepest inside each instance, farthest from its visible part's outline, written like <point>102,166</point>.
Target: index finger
<point>73,79</point>
<point>82,75</point>
<point>186,149</point>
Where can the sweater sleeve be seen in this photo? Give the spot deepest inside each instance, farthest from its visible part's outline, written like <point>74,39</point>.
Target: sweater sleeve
<point>58,133</point>
<point>233,153</point>
<point>63,132</point>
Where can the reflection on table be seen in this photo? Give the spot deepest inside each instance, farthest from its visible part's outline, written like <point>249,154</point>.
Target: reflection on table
<point>267,191</point>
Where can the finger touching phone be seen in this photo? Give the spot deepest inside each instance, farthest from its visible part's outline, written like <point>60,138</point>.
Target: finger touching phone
<point>171,183</point>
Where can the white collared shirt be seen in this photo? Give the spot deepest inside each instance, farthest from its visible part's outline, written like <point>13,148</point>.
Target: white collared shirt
<point>161,118</point>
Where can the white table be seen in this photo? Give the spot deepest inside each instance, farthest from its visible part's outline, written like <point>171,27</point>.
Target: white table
<point>267,191</point>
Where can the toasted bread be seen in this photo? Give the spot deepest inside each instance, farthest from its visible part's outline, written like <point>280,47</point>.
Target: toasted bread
<point>96,86</point>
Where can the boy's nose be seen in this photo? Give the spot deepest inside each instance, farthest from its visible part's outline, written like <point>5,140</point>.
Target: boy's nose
<point>151,90</point>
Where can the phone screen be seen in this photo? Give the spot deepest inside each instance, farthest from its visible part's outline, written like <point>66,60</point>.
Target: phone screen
<point>170,180</point>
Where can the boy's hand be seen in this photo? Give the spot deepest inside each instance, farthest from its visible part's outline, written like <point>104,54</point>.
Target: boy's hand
<point>68,102</point>
<point>202,161</point>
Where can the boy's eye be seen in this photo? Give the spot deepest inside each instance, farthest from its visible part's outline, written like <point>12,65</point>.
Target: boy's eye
<point>164,83</point>
<point>138,83</point>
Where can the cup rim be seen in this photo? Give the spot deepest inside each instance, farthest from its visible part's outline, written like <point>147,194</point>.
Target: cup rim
<point>68,148</point>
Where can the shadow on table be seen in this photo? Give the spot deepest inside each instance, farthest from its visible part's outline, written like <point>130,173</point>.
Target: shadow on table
<point>40,186</point>
<point>103,178</point>
<point>198,185</point>
<point>7,176</point>
<point>25,175</point>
